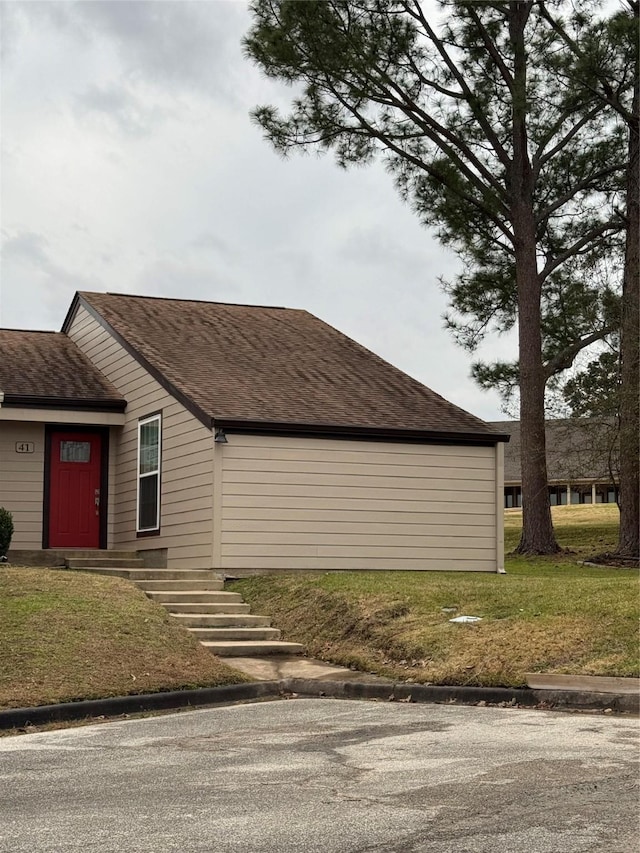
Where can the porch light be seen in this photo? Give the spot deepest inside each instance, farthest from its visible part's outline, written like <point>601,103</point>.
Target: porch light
<point>220,437</point>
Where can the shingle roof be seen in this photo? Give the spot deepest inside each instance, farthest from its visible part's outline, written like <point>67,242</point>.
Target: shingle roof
<point>48,366</point>
<point>577,449</point>
<point>245,363</point>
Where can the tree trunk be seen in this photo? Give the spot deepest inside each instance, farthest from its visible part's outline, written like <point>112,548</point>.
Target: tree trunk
<point>629,544</point>
<point>537,528</point>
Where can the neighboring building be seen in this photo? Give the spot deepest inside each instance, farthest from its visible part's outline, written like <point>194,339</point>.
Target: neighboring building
<point>239,438</point>
<point>582,462</point>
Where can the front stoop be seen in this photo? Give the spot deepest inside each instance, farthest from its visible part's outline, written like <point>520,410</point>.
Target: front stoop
<point>197,600</point>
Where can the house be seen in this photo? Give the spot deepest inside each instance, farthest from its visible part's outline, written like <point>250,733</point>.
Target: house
<point>240,438</point>
<point>582,462</point>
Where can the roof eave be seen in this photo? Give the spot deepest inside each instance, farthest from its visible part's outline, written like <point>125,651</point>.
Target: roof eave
<point>359,432</point>
<point>32,401</point>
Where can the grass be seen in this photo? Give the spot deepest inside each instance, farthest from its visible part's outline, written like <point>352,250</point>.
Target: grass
<point>545,615</point>
<point>582,530</point>
<point>67,636</point>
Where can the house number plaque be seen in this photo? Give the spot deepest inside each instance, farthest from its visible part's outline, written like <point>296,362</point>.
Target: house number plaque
<point>25,447</point>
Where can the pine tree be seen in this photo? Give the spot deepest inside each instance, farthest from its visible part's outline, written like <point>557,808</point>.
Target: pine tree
<point>607,65</point>
<point>519,173</point>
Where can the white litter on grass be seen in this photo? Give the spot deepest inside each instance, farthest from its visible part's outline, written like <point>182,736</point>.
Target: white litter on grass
<point>466,619</point>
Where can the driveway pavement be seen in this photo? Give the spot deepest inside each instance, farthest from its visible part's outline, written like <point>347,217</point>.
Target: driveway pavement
<point>325,776</point>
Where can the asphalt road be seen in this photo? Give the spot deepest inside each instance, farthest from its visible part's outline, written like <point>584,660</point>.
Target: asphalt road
<point>326,776</point>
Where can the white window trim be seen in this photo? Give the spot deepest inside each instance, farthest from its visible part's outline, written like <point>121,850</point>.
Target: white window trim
<point>142,422</point>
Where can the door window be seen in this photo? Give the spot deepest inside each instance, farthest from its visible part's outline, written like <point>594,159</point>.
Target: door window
<point>75,451</point>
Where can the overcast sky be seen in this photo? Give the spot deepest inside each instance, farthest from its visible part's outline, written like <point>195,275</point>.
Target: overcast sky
<point>130,164</point>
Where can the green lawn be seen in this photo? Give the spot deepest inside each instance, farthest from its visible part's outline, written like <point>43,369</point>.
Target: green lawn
<point>582,530</point>
<point>544,615</point>
<point>72,635</point>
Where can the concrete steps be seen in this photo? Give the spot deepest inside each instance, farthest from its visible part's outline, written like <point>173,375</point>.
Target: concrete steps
<point>141,576</point>
<point>215,608</point>
<point>117,564</point>
<point>104,563</point>
<point>199,621</point>
<point>253,649</point>
<point>100,554</point>
<point>227,627</point>
<point>216,634</point>
<point>196,600</point>
<point>194,597</point>
<point>181,585</point>
<point>188,576</point>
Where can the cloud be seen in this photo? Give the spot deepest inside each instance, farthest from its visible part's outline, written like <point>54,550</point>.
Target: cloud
<point>148,59</point>
<point>208,241</point>
<point>26,247</point>
<point>181,44</point>
<point>127,110</point>
<point>173,276</point>
<point>27,262</point>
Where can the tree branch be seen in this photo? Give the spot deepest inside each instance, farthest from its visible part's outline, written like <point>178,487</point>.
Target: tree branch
<point>573,250</point>
<point>437,132</point>
<point>426,81</point>
<point>388,142</point>
<point>585,184</point>
<point>494,53</point>
<point>605,93</point>
<point>539,159</point>
<point>478,114</point>
<point>386,87</point>
<point>564,359</point>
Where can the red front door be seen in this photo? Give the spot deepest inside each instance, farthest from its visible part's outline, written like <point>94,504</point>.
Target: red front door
<point>74,495</point>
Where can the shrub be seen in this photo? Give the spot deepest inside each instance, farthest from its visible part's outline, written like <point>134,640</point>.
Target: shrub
<point>6,530</point>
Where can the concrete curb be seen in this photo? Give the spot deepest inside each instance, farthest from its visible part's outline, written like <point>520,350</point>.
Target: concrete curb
<point>116,705</point>
<point>312,688</point>
<point>439,694</point>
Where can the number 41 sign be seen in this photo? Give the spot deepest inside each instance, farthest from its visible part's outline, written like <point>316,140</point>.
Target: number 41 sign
<point>24,447</point>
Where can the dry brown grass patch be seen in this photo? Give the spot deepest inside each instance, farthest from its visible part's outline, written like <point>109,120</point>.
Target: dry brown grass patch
<point>71,635</point>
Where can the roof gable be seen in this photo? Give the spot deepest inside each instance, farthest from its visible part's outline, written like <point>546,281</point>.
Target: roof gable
<point>257,365</point>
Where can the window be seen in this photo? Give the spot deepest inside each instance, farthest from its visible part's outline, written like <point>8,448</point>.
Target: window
<point>149,474</point>
<point>75,451</point>
<point>512,497</point>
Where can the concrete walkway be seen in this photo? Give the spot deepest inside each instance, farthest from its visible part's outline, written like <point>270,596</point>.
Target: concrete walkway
<point>277,667</point>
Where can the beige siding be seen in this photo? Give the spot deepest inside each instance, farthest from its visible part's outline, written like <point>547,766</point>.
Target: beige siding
<point>187,457</point>
<point>296,503</point>
<point>22,482</point>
